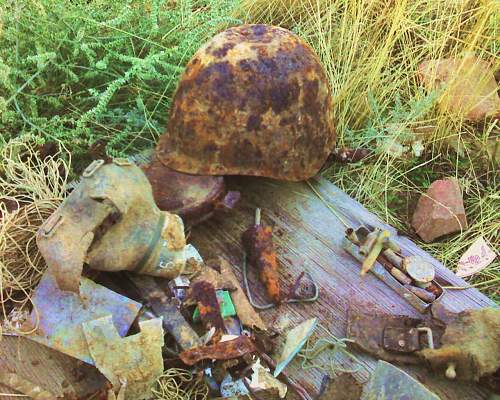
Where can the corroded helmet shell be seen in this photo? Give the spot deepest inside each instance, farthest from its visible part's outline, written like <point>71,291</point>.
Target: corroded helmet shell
<point>254,100</point>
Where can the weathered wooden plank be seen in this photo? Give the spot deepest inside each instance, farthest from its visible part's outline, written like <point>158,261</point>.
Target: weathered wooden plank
<point>308,236</point>
<point>54,371</point>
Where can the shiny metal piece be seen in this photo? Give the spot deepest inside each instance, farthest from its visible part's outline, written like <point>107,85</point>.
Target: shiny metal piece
<point>420,270</point>
<point>136,360</point>
<point>390,383</point>
<point>61,313</point>
<point>178,287</point>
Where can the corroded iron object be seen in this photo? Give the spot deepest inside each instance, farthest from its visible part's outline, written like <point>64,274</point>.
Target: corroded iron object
<point>135,361</point>
<point>193,197</point>
<point>227,350</point>
<point>254,100</point>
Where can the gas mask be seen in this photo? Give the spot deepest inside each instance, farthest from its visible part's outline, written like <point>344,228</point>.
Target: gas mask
<point>111,222</point>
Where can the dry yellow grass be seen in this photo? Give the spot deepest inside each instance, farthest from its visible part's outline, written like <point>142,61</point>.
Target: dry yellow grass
<point>31,189</point>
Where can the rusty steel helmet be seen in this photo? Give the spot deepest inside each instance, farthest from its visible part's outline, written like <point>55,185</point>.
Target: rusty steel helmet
<point>254,100</point>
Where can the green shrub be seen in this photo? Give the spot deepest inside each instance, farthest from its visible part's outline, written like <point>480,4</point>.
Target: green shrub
<point>87,72</point>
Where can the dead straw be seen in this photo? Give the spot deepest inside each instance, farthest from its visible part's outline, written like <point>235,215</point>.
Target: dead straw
<point>31,189</point>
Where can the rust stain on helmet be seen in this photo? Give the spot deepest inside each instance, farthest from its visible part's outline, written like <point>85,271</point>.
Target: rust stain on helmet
<point>254,100</point>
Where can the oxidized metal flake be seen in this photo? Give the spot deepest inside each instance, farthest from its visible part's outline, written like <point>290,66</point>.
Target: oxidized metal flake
<point>61,314</point>
<point>227,350</point>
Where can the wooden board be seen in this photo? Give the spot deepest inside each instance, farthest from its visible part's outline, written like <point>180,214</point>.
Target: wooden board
<point>54,371</point>
<point>308,237</point>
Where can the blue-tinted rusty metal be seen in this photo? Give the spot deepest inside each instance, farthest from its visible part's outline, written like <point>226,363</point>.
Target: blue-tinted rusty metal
<point>61,314</point>
<point>136,360</point>
<point>391,383</point>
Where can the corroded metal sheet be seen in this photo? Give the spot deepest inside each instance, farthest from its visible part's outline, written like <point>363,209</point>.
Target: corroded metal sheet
<point>61,314</point>
<point>193,197</point>
<point>254,100</point>
<point>173,320</point>
<point>134,361</point>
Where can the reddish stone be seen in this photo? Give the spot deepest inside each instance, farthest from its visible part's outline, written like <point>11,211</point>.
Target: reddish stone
<point>440,211</point>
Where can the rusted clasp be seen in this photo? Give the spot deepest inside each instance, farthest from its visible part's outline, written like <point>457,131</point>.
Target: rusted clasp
<point>406,339</point>
<point>92,168</point>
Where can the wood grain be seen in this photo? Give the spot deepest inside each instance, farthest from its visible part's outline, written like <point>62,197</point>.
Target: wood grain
<point>54,371</point>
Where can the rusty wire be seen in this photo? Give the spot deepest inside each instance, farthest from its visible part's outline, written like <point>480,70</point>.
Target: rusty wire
<point>268,306</point>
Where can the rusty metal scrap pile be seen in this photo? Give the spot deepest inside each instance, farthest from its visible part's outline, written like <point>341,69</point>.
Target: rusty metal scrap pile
<point>254,100</point>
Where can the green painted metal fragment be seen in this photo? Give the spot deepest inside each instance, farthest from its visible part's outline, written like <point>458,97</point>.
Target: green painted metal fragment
<point>295,340</point>
<point>226,306</point>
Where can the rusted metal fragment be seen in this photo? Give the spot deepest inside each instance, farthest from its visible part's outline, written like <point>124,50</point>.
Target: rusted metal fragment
<point>254,100</point>
<point>136,360</point>
<point>216,278</point>
<point>246,313</point>
<point>391,383</point>
<point>226,350</point>
<point>227,309</point>
<point>388,337</point>
<point>194,198</point>
<point>203,292</point>
<point>258,243</point>
<point>173,320</point>
<point>401,339</point>
<point>343,387</point>
<point>60,315</point>
<point>422,294</point>
<point>24,386</point>
<point>387,273</point>
<point>470,344</point>
<point>111,222</point>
